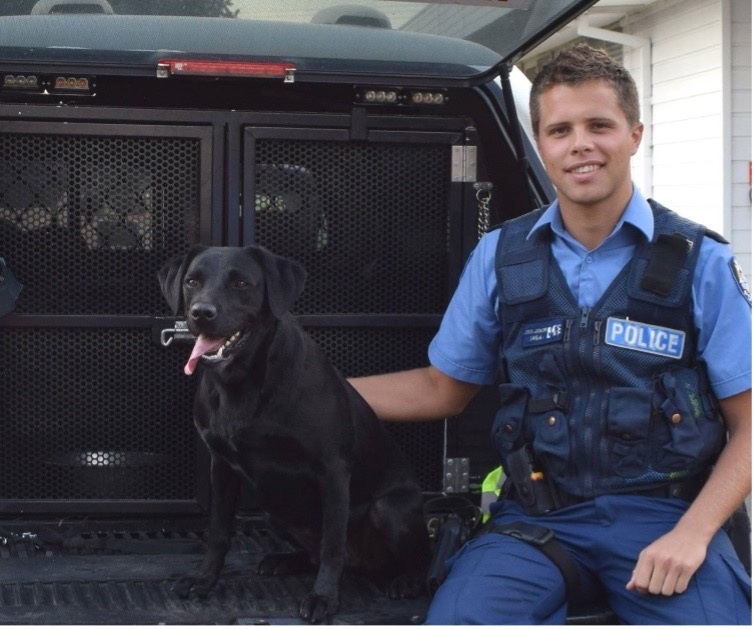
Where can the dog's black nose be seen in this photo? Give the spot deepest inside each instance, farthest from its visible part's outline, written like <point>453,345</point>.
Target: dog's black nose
<point>205,312</point>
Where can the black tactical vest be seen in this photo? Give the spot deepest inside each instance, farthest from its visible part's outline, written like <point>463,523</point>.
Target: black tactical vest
<point>611,398</point>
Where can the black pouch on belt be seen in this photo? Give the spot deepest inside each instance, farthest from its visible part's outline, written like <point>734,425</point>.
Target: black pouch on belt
<point>451,522</point>
<point>10,288</point>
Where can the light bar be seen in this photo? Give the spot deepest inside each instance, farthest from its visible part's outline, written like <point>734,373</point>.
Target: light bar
<point>381,96</point>
<point>427,98</point>
<point>21,81</point>
<point>399,96</point>
<point>78,83</point>
<point>241,69</point>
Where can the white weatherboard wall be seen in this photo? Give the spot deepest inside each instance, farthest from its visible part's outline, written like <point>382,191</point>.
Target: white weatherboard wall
<point>739,87</point>
<point>701,111</point>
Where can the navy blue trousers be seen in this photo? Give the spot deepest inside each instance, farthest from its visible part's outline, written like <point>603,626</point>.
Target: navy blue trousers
<point>497,579</point>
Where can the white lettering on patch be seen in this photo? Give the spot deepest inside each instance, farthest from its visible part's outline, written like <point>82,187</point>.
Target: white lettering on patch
<point>542,332</point>
<point>644,337</point>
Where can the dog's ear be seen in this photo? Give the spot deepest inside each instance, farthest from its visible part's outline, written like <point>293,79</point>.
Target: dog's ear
<point>171,277</point>
<point>283,277</point>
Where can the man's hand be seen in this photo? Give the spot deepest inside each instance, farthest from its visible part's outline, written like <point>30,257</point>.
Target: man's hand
<point>667,565</point>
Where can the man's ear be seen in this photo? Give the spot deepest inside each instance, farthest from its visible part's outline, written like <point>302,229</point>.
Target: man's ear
<point>637,133</point>
<point>171,277</point>
<point>284,279</point>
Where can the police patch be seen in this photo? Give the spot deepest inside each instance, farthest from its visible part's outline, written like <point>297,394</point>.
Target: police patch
<point>740,277</point>
<point>643,337</point>
<point>542,332</point>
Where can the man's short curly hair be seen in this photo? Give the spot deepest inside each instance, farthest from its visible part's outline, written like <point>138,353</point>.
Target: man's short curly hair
<point>578,64</point>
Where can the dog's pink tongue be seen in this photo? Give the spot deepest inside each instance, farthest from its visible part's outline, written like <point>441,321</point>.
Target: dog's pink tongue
<point>203,345</point>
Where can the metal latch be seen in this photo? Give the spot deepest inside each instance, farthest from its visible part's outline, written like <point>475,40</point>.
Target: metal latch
<point>179,333</point>
<point>456,475</point>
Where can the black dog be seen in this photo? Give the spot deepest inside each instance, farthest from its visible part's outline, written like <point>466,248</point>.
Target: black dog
<point>273,410</point>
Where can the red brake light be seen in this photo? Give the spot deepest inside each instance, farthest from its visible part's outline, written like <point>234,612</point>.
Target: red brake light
<point>169,67</point>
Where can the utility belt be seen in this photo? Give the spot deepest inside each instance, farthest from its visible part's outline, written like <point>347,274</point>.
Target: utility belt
<point>534,491</point>
<point>528,485</point>
<point>452,521</point>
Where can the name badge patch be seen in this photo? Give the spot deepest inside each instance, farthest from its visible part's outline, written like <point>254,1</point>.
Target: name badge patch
<point>643,337</point>
<point>542,332</point>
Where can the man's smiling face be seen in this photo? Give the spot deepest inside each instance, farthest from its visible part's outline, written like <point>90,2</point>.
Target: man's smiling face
<point>586,144</point>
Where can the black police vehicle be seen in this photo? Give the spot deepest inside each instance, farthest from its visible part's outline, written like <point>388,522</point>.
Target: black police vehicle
<point>373,142</point>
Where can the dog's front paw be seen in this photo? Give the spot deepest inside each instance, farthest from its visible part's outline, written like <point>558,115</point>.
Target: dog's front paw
<point>196,582</point>
<point>404,586</point>
<point>316,607</point>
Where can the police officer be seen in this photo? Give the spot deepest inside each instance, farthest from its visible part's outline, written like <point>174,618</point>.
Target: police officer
<point>623,336</point>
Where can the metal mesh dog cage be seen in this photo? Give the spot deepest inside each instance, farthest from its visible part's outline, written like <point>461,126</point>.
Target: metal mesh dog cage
<point>95,412</point>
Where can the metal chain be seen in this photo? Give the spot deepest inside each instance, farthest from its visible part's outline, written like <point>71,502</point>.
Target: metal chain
<point>483,198</point>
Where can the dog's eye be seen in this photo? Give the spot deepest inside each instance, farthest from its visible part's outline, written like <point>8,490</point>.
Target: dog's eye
<point>240,284</point>
<point>192,283</point>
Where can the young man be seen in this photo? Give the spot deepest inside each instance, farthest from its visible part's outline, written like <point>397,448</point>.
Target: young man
<point>622,336</point>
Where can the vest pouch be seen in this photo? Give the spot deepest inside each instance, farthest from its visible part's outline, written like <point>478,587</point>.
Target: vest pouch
<point>688,418</point>
<point>628,412</point>
<point>506,428</point>
<point>547,420</point>
<point>551,443</point>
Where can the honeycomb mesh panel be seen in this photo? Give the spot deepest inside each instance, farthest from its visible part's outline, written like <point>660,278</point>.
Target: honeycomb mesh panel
<point>363,351</point>
<point>104,413</point>
<point>85,415</point>
<point>369,222</point>
<point>86,221</point>
<point>369,350</point>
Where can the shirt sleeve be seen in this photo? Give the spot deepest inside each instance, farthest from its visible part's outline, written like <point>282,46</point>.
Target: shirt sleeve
<point>722,313</point>
<point>466,346</point>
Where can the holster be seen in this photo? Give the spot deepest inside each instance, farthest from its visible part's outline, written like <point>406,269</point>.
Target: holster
<point>529,486</point>
<point>451,521</point>
<point>449,537</point>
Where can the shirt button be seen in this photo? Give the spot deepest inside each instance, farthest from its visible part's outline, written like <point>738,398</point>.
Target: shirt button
<point>589,259</point>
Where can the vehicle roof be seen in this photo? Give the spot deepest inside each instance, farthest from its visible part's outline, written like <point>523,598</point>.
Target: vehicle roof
<point>452,39</point>
<point>140,41</point>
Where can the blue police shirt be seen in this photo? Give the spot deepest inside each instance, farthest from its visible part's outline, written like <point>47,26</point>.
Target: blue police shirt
<point>466,346</point>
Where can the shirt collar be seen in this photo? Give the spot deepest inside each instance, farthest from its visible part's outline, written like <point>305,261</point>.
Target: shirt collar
<point>637,213</point>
